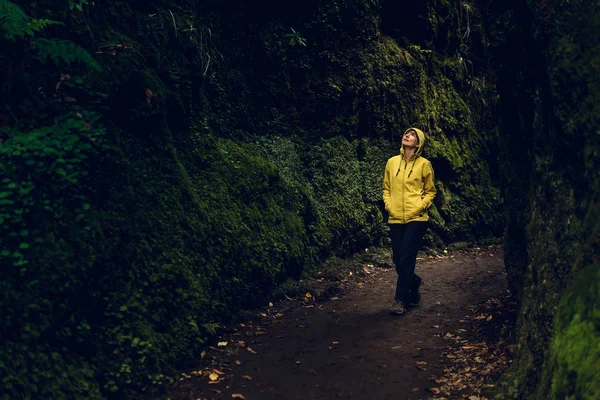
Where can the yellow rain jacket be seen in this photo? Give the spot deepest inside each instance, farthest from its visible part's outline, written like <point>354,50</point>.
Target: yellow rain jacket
<point>408,185</point>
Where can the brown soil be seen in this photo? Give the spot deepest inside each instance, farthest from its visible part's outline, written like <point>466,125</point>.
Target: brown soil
<point>349,347</point>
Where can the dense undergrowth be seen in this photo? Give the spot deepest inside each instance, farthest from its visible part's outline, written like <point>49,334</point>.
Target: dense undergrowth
<point>165,165</point>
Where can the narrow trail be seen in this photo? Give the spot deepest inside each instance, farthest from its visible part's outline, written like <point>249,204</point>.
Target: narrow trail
<point>350,347</point>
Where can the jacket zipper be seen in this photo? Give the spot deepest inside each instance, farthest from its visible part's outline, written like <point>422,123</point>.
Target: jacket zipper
<point>402,183</point>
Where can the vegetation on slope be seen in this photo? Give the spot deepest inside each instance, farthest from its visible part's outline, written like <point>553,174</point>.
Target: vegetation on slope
<point>164,165</point>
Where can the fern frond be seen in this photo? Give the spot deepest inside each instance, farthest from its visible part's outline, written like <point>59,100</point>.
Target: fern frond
<point>13,20</point>
<point>64,52</point>
<point>36,25</point>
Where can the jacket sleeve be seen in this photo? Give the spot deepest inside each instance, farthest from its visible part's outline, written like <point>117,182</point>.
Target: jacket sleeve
<point>387,186</point>
<point>429,185</point>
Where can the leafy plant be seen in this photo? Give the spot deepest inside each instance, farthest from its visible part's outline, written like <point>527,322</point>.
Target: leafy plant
<point>13,20</point>
<point>15,24</point>
<point>63,52</point>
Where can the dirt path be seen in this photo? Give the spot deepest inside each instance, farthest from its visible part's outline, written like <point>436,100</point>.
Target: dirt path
<point>350,347</point>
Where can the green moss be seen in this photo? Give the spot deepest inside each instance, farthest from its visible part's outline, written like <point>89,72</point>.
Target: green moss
<point>575,352</point>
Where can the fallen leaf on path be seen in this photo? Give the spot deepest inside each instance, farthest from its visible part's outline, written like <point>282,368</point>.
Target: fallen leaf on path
<point>308,295</point>
<point>270,304</point>
<point>238,362</point>
<point>222,344</point>
<point>336,342</point>
<point>250,350</point>
<point>202,355</point>
<point>435,390</point>
<point>297,362</point>
<point>238,396</point>
<point>216,371</point>
<point>213,377</point>
<point>217,391</point>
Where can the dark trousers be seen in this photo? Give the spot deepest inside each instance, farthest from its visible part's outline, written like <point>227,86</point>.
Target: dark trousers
<point>406,240</point>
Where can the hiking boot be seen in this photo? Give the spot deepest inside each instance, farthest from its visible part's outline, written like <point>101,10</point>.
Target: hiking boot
<point>414,296</point>
<point>397,308</point>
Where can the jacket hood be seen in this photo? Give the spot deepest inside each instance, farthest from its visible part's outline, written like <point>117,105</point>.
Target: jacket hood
<point>421,144</point>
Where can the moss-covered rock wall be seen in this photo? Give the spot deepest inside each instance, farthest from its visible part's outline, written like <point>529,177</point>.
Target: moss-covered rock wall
<point>548,59</point>
<point>165,164</point>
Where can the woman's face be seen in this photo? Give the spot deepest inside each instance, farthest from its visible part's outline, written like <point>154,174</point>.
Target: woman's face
<point>410,139</point>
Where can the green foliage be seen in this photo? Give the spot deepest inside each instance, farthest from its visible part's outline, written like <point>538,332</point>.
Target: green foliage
<point>13,20</point>
<point>575,352</point>
<point>40,171</point>
<point>63,52</point>
<point>417,48</point>
<point>38,25</point>
<point>15,24</point>
<point>50,147</point>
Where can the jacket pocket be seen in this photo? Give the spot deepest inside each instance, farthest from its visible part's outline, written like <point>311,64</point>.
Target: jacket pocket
<point>392,210</point>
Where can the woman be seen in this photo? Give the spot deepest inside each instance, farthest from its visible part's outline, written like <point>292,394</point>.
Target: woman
<point>408,192</point>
